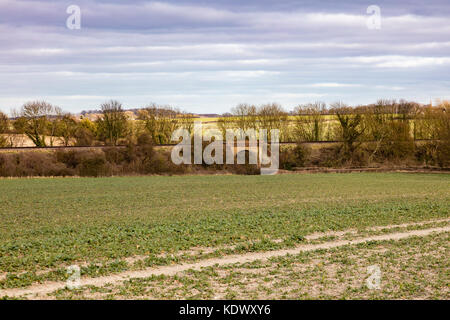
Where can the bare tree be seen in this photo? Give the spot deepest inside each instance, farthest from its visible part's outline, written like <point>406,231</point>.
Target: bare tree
<point>310,121</point>
<point>351,127</point>
<point>4,128</point>
<point>113,124</point>
<point>435,122</point>
<point>66,128</point>
<point>85,132</point>
<point>225,123</point>
<point>53,123</point>
<point>387,124</point>
<point>245,116</point>
<point>161,121</point>
<point>186,121</point>
<point>272,116</point>
<point>35,120</point>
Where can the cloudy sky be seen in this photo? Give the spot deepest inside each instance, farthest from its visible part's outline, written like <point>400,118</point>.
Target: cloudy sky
<point>207,56</point>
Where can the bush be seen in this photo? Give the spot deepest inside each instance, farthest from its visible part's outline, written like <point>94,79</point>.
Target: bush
<point>28,164</point>
<point>153,165</point>
<point>93,165</point>
<point>295,157</point>
<point>69,158</point>
<point>246,169</point>
<point>427,153</point>
<point>6,166</point>
<point>359,158</point>
<point>399,145</point>
<point>329,157</point>
<point>116,156</point>
<point>443,153</point>
<point>85,133</point>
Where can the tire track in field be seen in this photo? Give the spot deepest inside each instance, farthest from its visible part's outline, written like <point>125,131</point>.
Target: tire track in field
<point>318,235</point>
<point>207,250</point>
<point>39,290</point>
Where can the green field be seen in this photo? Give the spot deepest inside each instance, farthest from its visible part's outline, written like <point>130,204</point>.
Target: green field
<point>416,268</point>
<point>47,224</point>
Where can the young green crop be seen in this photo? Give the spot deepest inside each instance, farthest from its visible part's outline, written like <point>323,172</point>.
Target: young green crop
<point>54,222</point>
<point>412,268</point>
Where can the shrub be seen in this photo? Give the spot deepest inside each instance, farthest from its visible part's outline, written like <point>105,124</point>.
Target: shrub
<point>69,158</point>
<point>295,157</point>
<point>93,165</point>
<point>27,164</point>
<point>246,169</point>
<point>350,130</point>
<point>399,144</point>
<point>4,128</point>
<point>443,153</point>
<point>427,153</point>
<point>116,156</point>
<point>6,167</point>
<point>84,137</point>
<point>329,157</point>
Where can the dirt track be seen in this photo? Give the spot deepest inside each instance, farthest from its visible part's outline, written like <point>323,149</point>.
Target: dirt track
<point>40,290</point>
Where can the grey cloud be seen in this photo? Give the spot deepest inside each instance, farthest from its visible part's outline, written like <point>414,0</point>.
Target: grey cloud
<point>276,50</point>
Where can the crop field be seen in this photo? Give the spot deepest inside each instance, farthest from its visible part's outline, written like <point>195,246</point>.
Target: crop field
<point>292,236</point>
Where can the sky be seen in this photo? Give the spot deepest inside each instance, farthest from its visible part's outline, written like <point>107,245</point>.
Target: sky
<point>209,56</point>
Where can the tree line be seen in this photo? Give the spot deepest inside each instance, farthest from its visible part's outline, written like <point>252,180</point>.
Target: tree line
<point>386,129</point>
<point>46,125</point>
